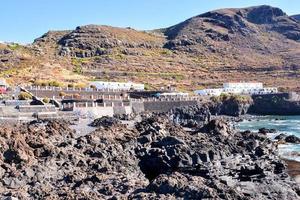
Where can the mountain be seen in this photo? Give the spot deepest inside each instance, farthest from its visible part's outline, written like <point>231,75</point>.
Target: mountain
<point>247,33</point>
<point>259,43</point>
<point>296,17</point>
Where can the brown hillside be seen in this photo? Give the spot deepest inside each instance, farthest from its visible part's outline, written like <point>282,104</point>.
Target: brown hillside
<point>257,43</point>
<point>297,17</point>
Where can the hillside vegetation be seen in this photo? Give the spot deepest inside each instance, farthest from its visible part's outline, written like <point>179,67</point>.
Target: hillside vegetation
<point>250,44</point>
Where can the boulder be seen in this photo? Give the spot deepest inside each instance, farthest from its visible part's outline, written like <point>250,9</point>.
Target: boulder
<point>266,131</point>
<point>217,127</point>
<point>292,139</point>
<point>105,122</point>
<point>280,137</point>
<point>190,116</point>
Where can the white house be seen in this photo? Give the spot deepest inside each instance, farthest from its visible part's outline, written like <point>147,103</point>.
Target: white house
<point>209,92</point>
<point>117,85</point>
<point>173,94</point>
<point>247,88</point>
<point>3,86</point>
<point>243,85</point>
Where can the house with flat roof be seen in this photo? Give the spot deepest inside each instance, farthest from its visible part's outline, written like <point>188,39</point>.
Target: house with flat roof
<point>246,88</point>
<point>101,85</point>
<point>3,86</point>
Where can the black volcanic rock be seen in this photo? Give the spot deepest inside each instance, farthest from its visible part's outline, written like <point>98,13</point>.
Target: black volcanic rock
<point>287,138</point>
<point>195,162</point>
<point>280,137</point>
<point>274,104</point>
<point>292,139</point>
<point>155,159</point>
<point>263,14</point>
<point>105,122</point>
<point>217,127</point>
<point>266,131</point>
<point>190,116</point>
<point>230,105</point>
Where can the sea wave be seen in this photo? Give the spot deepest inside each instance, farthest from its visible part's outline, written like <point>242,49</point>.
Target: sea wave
<point>289,125</point>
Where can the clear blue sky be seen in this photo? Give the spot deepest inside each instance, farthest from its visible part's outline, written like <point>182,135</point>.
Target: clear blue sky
<point>24,20</point>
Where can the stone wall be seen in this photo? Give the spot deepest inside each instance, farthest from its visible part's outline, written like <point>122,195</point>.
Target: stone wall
<point>134,107</point>
<point>83,94</point>
<point>120,110</point>
<point>27,112</point>
<point>165,106</point>
<point>36,108</point>
<point>137,107</point>
<point>17,102</point>
<point>96,112</point>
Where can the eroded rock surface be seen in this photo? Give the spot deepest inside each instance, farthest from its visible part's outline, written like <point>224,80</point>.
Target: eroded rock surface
<point>155,159</point>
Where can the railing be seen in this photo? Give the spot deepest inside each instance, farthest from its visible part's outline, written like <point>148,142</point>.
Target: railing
<point>52,88</point>
<point>73,105</point>
<point>167,99</point>
<point>105,97</point>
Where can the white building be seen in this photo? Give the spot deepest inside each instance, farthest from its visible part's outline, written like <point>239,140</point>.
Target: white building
<point>209,92</point>
<point>173,94</point>
<point>3,86</point>
<point>117,85</point>
<point>243,85</point>
<point>247,88</point>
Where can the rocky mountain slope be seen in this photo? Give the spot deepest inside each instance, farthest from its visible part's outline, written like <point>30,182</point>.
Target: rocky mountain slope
<point>257,43</point>
<point>230,32</point>
<point>296,17</point>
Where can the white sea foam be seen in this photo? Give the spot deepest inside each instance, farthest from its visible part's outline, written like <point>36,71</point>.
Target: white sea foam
<point>289,125</point>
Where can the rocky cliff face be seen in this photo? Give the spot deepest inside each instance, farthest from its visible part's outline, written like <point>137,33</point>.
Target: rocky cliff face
<point>231,105</point>
<point>274,104</point>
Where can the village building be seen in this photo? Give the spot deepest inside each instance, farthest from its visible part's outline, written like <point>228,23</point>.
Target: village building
<point>3,86</point>
<point>246,88</point>
<point>172,94</point>
<point>102,85</point>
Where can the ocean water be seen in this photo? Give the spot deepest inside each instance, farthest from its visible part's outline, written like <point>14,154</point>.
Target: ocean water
<point>289,125</point>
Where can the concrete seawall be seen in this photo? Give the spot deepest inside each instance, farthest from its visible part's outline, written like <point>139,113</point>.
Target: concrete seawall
<point>99,110</point>
<point>96,112</point>
<point>165,106</point>
<point>28,112</point>
<point>83,94</point>
<point>137,107</point>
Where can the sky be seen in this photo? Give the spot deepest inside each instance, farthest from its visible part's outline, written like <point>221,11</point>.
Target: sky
<point>24,20</point>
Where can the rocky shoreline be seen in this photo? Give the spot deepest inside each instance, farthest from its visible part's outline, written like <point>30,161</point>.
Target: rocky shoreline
<point>194,158</point>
